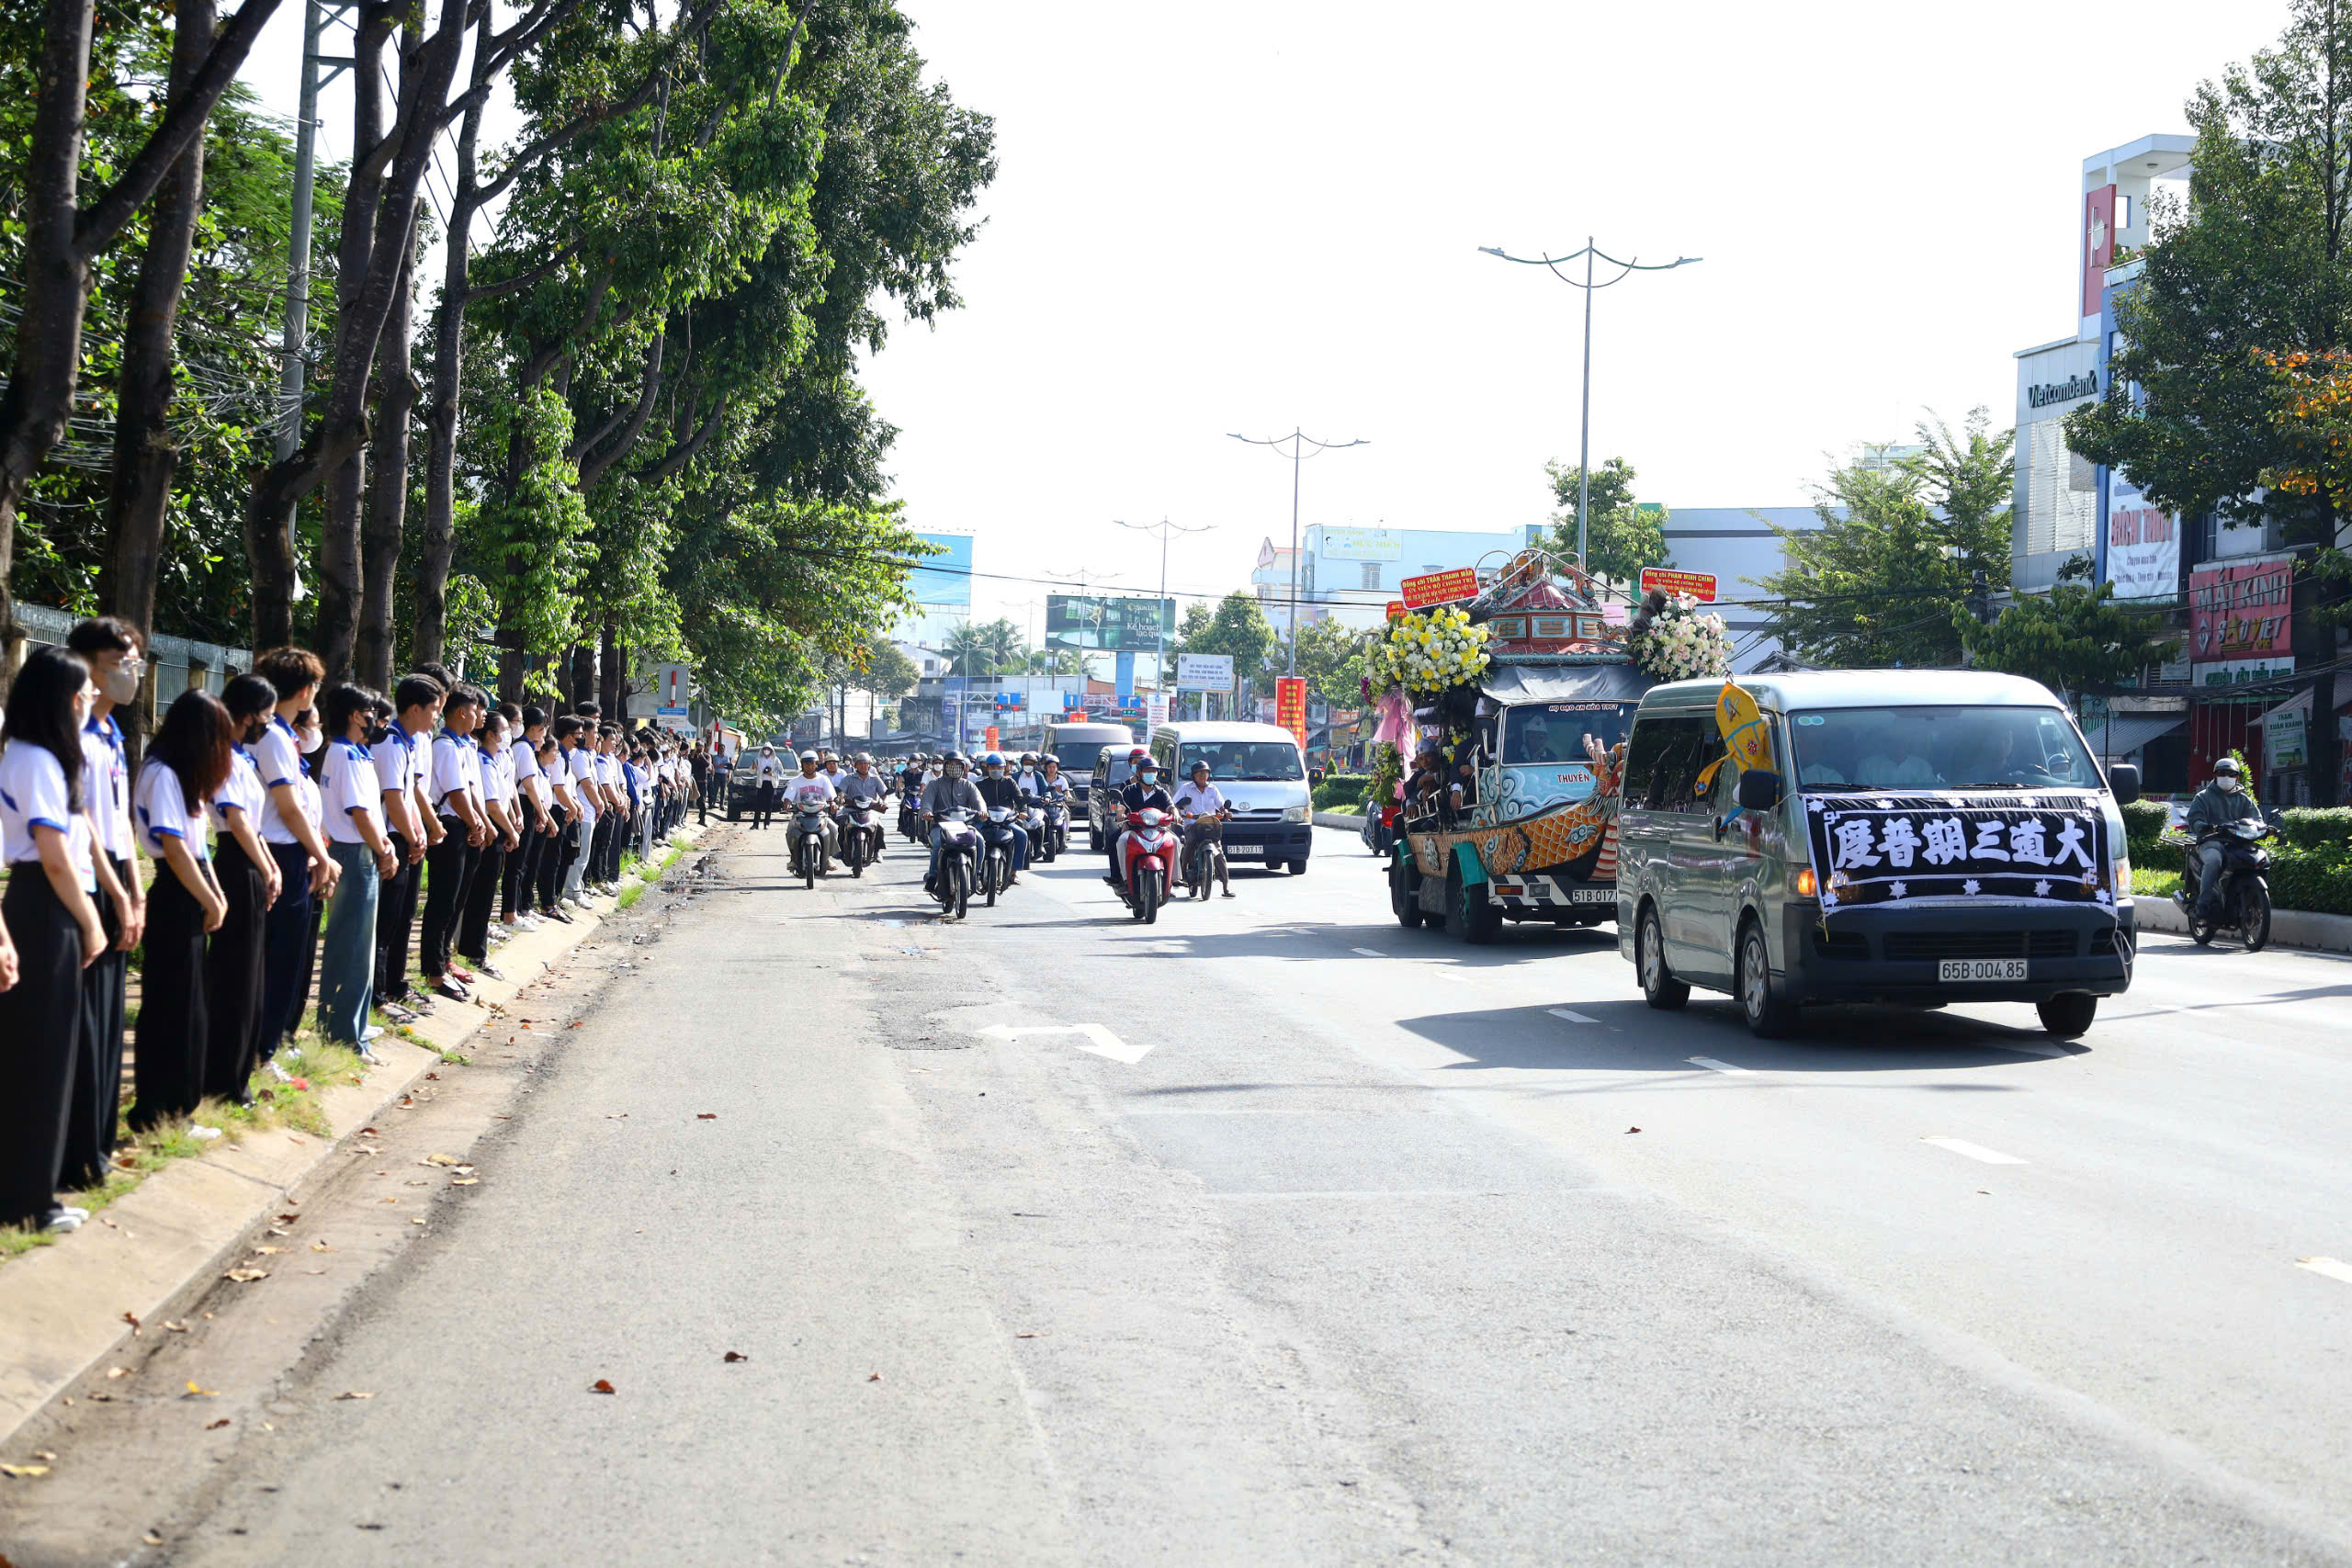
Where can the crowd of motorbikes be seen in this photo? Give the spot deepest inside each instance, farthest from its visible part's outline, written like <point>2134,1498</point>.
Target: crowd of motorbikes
<point>982,847</point>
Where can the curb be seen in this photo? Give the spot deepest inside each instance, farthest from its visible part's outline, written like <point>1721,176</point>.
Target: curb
<point>160,1245</point>
<point>1346,821</point>
<point>2288,927</point>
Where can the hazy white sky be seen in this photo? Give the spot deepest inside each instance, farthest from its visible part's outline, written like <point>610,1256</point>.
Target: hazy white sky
<point>1243,217</point>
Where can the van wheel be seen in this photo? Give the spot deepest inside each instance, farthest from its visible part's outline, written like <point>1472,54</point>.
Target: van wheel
<point>1659,988</point>
<point>2068,1014</point>
<point>1298,868</point>
<point>1093,839</point>
<point>1769,1016</point>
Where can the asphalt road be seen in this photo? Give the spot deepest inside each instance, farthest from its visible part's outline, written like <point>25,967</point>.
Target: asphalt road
<point>1326,1241</point>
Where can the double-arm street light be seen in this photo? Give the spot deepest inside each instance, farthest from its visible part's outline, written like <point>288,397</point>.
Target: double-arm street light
<point>1165,529</point>
<point>1588,256</point>
<point>1298,444</point>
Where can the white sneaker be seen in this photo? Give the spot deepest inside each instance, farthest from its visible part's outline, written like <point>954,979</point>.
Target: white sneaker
<point>279,1073</point>
<point>204,1134</point>
<point>368,1054</point>
<point>370,1033</point>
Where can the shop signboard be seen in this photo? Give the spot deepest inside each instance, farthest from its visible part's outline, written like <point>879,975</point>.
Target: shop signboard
<point>1290,704</point>
<point>1438,588</point>
<point>2239,614</point>
<point>2142,543</point>
<point>1204,672</point>
<point>1699,585</point>
<point>1361,544</point>
<point>2240,672</point>
<point>2285,735</point>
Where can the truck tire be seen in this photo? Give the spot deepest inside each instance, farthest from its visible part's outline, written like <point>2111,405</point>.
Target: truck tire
<point>1659,988</point>
<point>1404,899</point>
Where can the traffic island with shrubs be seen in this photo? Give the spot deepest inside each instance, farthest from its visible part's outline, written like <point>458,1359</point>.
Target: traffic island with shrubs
<point>2311,858</point>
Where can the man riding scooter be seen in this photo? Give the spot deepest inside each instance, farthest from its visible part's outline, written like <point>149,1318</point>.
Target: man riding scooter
<point>949,792</point>
<point>997,789</point>
<point>1051,793</point>
<point>813,792</point>
<point>2222,802</point>
<point>864,789</point>
<point>1142,792</point>
<point>1198,804</point>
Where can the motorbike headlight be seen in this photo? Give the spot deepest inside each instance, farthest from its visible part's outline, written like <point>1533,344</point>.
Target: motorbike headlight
<point>1294,814</point>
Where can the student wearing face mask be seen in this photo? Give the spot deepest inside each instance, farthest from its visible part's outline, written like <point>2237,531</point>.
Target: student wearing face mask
<point>53,925</point>
<point>528,725</point>
<point>187,764</point>
<point>249,879</point>
<point>111,649</point>
<point>355,827</point>
<point>311,738</point>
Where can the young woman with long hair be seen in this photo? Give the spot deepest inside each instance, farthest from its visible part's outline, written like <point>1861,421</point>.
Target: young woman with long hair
<point>54,925</point>
<point>249,875</point>
<point>187,764</point>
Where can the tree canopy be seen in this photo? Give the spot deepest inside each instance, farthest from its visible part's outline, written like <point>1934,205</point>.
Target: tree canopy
<point>1624,537</point>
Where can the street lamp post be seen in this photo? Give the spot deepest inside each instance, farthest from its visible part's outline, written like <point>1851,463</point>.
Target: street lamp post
<point>1298,444</point>
<point>1165,529</point>
<point>1551,263</point>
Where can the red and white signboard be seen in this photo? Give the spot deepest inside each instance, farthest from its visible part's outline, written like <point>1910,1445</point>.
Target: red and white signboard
<point>1699,585</point>
<point>1290,704</point>
<point>1438,588</point>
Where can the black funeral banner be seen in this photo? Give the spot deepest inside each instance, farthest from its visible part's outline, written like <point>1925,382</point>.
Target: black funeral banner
<point>2006,848</point>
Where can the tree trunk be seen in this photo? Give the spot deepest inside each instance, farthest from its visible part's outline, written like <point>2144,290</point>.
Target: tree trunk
<point>145,461</point>
<point>387,494</point>
<point>580,675</point>
<point>608,671</point>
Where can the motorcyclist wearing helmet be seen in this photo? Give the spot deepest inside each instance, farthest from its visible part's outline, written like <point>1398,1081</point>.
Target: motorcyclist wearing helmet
<point>910,780</point>
<point>2223,801</point>
<point>997,789</point>
<point>1025,772</point>
<point>1142,792</point>
<point>1197,804</point>
<point>812,789</point>
<point>949,792</point>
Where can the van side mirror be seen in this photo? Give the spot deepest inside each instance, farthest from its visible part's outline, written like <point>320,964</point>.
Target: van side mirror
<point>2123,782</point>
<point>1759,789</point>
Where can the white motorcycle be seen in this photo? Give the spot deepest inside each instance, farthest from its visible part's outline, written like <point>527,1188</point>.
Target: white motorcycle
<point>959,863</point>
<point>808,843</point>
<point>861,835</point>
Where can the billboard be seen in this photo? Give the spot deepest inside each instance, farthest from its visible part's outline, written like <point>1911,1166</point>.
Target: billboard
<point>1204,672</point>
<point>1361,544</point>
<point>2241,626</point>
<point>2142,543</point>
<point>1089,622</point>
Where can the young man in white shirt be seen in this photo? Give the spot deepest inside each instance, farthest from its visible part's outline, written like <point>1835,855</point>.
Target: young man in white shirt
<point>813,790</point>
<point>111,649</point>
<point>576,794</point>
<point>1198,799</point>
<point>401,759</point>
<point>306,872</point>
<point>492,761</point>
<point>454,788</point>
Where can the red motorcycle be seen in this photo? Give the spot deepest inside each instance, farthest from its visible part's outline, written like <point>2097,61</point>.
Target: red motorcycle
<point>1147,861</point>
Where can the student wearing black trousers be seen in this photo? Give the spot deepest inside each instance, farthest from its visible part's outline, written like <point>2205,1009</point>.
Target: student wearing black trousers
<point>489,871</point>
<point>187,762</point>
<point>402,758</point>
<point>564,817</point>
<point>309,739</point>
<point>454,789</point>
<point>53,924</point>
<point>517,907</point>
<point>111,649</point>
<point>250,880</point>
<point>306,872</point>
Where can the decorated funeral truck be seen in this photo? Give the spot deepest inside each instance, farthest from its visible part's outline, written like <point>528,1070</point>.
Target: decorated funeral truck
<point>1515,703</point>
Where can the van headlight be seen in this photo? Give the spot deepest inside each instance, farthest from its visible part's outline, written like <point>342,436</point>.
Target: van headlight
<point>1294,814</point>
<point>2122,871</point>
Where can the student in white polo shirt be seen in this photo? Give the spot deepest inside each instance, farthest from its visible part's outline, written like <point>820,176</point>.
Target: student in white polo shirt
<point>53,925</point>
<point>576,737</point>
<point>248,877</point>
<point>456,788</point>
<point>304,867</point>
<point>111,649</point>
<point>497,785</point>
<point>356,837</point>
<point>187,762</point>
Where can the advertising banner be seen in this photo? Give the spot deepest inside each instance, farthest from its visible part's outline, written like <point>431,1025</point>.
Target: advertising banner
<point>1089,623</point>
<point>2011,849</point>
<point>1438,588</point>
<point>1204,672</point>
<point>1361,544</point>
<point>2239,611</point>
<point>1290,704</point>
<point>1699,585</point>
<point>1155,709</point>
<point>2143,543</point>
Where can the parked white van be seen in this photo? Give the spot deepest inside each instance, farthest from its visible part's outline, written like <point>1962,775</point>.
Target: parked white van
<point>1262,773</point>
<point>1924,836</point>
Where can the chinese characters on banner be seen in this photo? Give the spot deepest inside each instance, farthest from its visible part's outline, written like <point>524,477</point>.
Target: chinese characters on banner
<point>1878,848</point>
<point>1290,704</point>
<point>2241,626</point>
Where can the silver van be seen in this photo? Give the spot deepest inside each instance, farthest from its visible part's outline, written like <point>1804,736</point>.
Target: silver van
<point>1923,837</point>
<point>1075,746</point>
<point>1260,772</point>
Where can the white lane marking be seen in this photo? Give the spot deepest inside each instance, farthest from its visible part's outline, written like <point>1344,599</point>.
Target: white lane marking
<point>1974,1151</point>
<point>1714,1066</point>
<point>2035,1050</point>
<point>1368,951</point>
<point>1100,1040</point>
<point>1571,1015</point>
<point>2328,1266</point>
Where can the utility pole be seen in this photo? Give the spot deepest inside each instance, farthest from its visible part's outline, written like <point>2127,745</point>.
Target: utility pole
<point>1298,442</point>
<point>295,336</point>
<point>1551,263</point>
<point>1165,529</point>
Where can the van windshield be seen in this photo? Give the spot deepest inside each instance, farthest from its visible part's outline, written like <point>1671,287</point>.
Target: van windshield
<point>1939,747</point>
<point>1555,732</point>
<point>1249,761</point>
<point>1076,753</point>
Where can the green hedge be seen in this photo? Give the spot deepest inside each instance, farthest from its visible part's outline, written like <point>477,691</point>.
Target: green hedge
<point>2319,880</point>
<point>2316,827</point>
<point>1341,792</point>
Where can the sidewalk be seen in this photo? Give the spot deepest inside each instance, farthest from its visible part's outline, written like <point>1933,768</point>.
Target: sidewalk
<point>65,1308</point>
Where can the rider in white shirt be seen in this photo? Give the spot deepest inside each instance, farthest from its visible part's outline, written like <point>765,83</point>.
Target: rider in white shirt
<point>1197,798</point>
<point>815,789</point>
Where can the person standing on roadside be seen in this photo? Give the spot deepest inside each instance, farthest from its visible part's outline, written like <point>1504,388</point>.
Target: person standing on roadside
<point>111,649</point>
<point>698,764</point>
<point>530,800</point>
<point>356,835</point>
<point>464,831</point>
<point>189,760</point>
<point>490,868</point>
<point>771,770</point>
<point>53,928</point>
<point>401,757</point>
<point>305,869</point>
<point>575,739</point>
<point>249,880</point>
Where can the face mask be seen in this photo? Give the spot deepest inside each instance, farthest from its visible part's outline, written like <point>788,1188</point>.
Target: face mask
<point>255,730</point>
<point>312,739</point>
<point>121,683</point>
<point>2229,787</point>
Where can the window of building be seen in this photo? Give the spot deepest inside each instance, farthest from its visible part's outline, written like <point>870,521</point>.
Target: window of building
<point>1371,574</point>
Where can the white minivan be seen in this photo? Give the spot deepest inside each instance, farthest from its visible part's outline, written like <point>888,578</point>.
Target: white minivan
<point>1260,772</point>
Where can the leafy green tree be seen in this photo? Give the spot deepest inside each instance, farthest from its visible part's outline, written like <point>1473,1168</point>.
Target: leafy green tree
<point>2074,638</point>
<point>1897,550</point>
<point>2253,271</point>
<point>986,648</point>
<point>1624,537</point>
<point>1331,656</point>
<point>1057,662</point>
<point>886,672</point>
<point>1199,616</point>
<point>1237,627</point>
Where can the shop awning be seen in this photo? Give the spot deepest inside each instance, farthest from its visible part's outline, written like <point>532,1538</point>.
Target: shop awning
<point>2299,702</point>
<point>2127,732</point>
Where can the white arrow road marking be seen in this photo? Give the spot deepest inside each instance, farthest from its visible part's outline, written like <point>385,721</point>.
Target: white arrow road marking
<point>1368,951</point>
<point>1974,1151</point>
<point>1714,1066</point>
<point>1100,1040</point>
<point>1571,1015</point>
<point>2328,1266</point>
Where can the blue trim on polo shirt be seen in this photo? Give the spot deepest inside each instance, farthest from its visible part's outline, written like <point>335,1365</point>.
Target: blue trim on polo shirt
<point>50,823</point>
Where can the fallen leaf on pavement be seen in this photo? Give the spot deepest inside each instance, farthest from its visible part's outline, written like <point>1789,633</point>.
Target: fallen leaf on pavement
<point>601,1386</point>
<point>117,1372</point>
<point>1028,1337</point>
<point>245,1276</point>
<point>873,1377</point>
<point>298,1084</point>
<point>133,1319</point>
<point>267,1251</point>
<point>436,1077</point>
<point>356,1393</point>
<point>439,1159</point>
<point>47,1455</point>
<point>151,1539</point>
<point>195,1393</point>
<point>705,1115</point>
<point>216,1425</point>
<point>1633,1129</point>
<point>416,1222</point>
<point>575,1023</point>
<point>172,1327</point>
<point>735,1356</point>
<point>321,1247</point>
<point>23,1471</point>
<point>465,1181</point>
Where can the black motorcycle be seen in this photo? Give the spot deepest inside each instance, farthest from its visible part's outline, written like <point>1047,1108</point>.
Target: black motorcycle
<point>996,858</point>
<point>2244,896</point>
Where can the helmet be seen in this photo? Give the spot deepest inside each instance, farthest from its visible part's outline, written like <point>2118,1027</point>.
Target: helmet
<point>1200,764</point>
<point>808,759</point>
<point>993,759</point>
<point>1028,758</point>
<point>952,755</point>
<point>865,757</point>
<point>2227,765</point>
